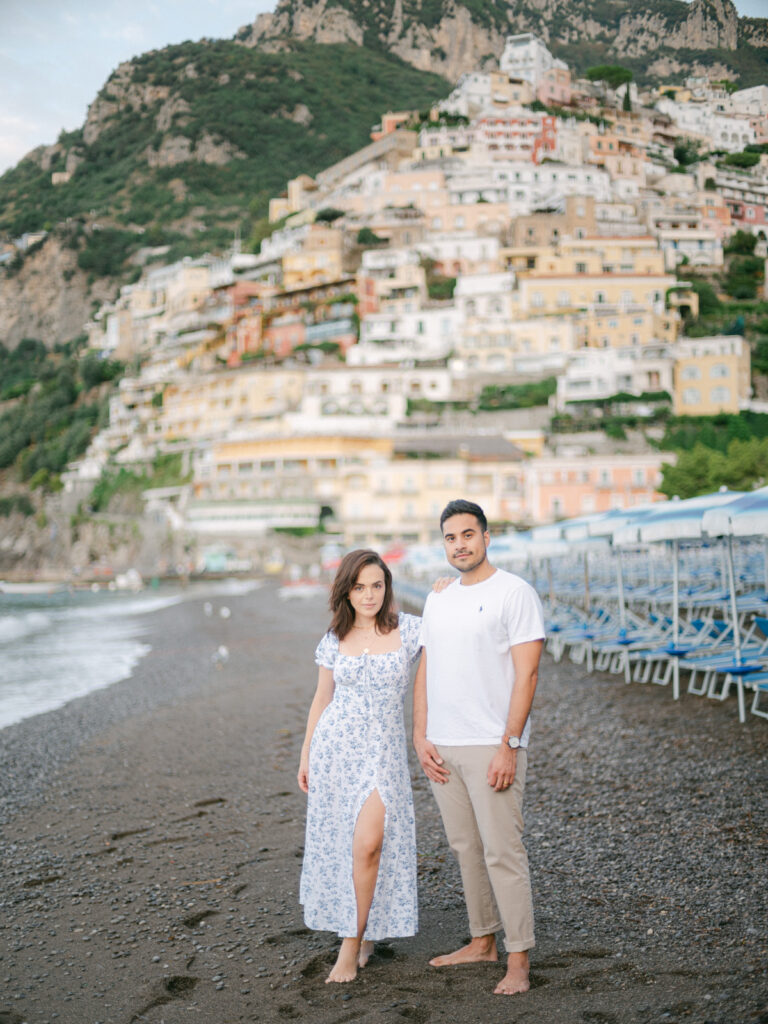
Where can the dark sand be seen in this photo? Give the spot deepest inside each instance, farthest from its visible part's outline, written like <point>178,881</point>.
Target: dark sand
<point>152,837</point>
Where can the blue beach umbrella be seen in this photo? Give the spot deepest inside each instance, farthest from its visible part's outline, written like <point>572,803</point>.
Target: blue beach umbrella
<point>744,516</point>
<point>673,521</point>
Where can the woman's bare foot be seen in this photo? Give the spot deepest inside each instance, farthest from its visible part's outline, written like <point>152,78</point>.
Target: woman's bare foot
<point>516,979</point>
<point>479,949</point>
<point>345,968</point>
<point>366,952</point>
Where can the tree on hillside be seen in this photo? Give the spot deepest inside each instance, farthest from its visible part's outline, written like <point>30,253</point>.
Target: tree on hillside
<point>613,75</point>
<point>741,242</point>
<point>742,467</point>
<point>686,152</point>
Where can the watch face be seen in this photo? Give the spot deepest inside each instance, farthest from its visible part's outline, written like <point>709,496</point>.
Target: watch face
<point>513,742</point>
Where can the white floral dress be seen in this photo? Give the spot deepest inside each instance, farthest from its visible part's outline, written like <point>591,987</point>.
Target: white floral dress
<point>359,745</point>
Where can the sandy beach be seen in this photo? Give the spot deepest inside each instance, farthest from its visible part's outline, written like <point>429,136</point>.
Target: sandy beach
<point>152,836</point>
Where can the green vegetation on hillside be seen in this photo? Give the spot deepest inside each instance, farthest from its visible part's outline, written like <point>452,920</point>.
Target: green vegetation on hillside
<point>517,396</point>
<point>742,467</point>
<point>275,115</point>
<point>715,451</point>
<point>55,411</point>
<point>165,471</point>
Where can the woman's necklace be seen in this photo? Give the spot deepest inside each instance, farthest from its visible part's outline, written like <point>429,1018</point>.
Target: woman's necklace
<point>366,629</point>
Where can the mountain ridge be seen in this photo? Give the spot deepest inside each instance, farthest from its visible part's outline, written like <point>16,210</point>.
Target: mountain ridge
<point>448,37</point>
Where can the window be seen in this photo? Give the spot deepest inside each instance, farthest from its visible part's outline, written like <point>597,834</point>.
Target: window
<point>691,373</point>
<point>537,299</point>
<point>719,370</point>
<point>720,394</point>
<point>691,396</point>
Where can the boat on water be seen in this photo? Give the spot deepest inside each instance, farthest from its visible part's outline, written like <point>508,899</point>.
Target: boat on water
<point>31,587</point>
<point>292,589</point>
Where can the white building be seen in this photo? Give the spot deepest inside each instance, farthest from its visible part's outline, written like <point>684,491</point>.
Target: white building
<point>526,56</point>
<point>753,102</point>
<point>593,374</point>
<point>421,336</point>
<point>462,253</point>
<point>525,186</point>
<point>369,399</point>
<point>700,247</point>
<point>731,132</point>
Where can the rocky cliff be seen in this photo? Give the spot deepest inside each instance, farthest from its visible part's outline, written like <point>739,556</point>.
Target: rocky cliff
<point>449,37</point>
<point>48,297</point>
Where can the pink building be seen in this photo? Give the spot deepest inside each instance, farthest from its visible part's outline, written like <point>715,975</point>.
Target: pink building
<point>555,87</point>
<point>283,333</point>
<point>562,488</point>
<point>525,136</point>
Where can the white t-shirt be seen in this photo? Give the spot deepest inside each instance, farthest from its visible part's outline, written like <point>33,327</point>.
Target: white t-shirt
<point>467,632</point>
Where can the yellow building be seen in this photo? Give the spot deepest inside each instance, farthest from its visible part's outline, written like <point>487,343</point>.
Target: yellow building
<point>614,326</point>
<point>401,499</point>
<point>285,468</point>
<point>197,407</point>
<point>506,344</point>
<point>319,259</point>
<point>711,375</point>
<point>602,278</point>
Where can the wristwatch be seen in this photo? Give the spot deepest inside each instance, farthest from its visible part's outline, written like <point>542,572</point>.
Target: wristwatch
<point>513,742</point>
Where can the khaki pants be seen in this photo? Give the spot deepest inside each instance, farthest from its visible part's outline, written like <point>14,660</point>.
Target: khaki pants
<point>484,830</point>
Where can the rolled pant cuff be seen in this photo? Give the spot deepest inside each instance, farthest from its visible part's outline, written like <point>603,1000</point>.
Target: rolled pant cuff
<point>481,933</point>
<point>519,947</point>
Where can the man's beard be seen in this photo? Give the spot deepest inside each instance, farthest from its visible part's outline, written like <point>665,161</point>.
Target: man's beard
<point>463,567</point>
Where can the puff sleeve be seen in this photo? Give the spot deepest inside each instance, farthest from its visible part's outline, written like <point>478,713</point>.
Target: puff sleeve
<point>410,627</point>
<point>327,650</point>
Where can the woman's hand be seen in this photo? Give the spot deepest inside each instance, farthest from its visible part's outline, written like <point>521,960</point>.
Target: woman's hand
<point>442,582</point>
<point>303,776</point>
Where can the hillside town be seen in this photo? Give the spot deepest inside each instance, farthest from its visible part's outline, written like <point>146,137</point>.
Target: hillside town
<point>532,227</point>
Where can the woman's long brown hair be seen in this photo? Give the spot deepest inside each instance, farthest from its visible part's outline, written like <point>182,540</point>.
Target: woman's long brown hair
<point>350,568</point>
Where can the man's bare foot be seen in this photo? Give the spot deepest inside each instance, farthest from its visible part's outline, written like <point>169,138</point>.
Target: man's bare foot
<point>366,952</point>
<point>476,951</point>
<point>345,968</point>
<point>516,979</point>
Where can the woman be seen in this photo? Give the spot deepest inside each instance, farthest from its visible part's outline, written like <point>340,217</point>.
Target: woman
<point>359,871</point>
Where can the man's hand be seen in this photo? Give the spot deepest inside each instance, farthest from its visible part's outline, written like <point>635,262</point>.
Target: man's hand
<point>430,760</point>
<point>501,770</point>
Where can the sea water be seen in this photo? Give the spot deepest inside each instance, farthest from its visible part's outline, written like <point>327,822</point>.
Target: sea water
<point>55,647</point>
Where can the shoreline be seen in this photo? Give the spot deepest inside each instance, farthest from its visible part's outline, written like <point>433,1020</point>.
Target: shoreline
<point>152,835</point>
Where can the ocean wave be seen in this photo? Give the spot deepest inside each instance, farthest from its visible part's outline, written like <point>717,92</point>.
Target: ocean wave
<point>49,687</point>
<point>119,607</point>
<point>15,627</point>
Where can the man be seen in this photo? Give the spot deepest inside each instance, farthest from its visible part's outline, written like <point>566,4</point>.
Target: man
<point>482,638</point>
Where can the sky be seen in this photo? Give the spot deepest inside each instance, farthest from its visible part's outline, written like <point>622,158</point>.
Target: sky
<point>55,55</point>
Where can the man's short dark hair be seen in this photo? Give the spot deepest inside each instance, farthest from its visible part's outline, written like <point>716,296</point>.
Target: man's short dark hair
<point>462,507</point>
